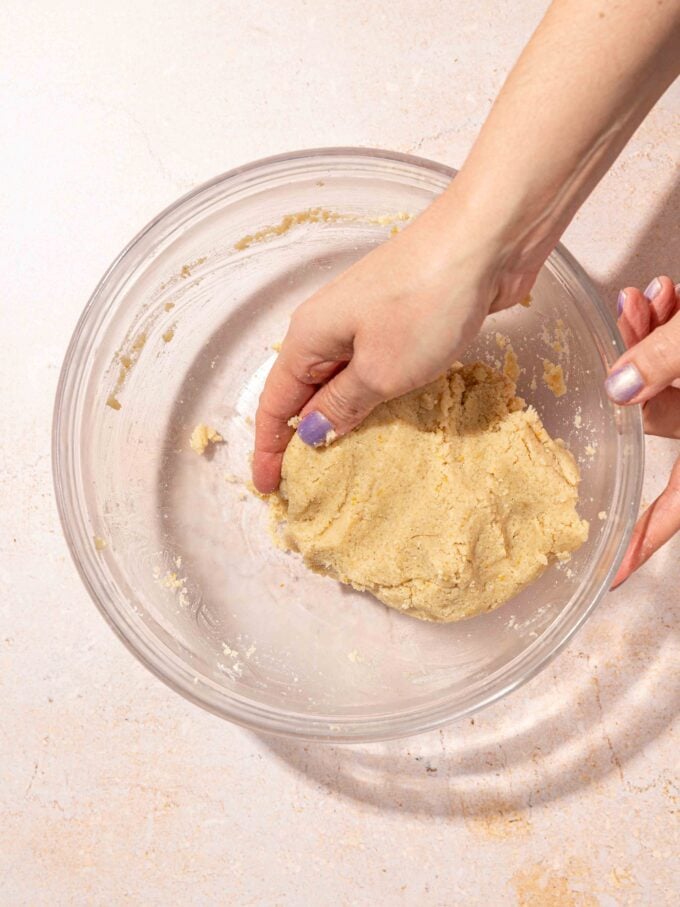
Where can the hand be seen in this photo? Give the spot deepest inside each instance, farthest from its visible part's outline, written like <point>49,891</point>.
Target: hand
<point>650,326</point>
<point>394,321</point>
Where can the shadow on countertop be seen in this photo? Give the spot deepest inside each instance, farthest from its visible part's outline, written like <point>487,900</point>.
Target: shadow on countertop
<point>657,251</point>
<point>581,720</point>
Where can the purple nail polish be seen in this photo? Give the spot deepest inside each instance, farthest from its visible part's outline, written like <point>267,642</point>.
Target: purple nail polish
<point>653,289</point>
<point>620,302</point>
<point>315,430</point>
<point>623,384</point>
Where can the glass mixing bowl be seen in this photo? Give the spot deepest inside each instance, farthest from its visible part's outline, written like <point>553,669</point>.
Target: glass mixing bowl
<point>173,547</point>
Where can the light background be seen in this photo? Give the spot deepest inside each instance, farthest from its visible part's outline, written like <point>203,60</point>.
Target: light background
<point>112,788</point>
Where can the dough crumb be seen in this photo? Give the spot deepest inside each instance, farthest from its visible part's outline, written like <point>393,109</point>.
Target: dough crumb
<point>276,346</point>
<point>602,515</point>
<point>511,367</point>
<point>169,306</point>
<point>202,436</point>
<point>168,335</point>
<point>444,503</point>
<point>172,581</point>
<point>553,378</point>
<point>113,402</point>
<point>99,543</point>
<point>526,302</point>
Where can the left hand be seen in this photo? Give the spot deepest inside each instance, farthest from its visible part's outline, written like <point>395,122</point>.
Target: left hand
<point>650,325</point>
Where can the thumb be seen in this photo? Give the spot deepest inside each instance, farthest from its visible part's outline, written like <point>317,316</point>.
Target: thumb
<point>648,367</point>
<point>654,528</point>
<point>337,408</point>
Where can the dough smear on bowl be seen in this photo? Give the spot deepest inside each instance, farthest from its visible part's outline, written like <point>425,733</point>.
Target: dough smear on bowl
<point>444,503</point>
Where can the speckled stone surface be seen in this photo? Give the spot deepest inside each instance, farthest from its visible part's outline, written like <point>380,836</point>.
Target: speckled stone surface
<point>112,788</point>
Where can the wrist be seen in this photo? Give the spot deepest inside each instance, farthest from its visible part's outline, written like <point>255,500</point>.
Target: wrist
<point>468,241</point>
<point>512,227</point>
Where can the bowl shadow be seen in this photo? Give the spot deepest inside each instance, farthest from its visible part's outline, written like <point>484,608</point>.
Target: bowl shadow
<point>581,720</point>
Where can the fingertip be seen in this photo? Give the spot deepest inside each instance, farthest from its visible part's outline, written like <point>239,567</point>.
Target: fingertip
<point>634,315</point>
<point>267,471</point>
<point>660,294</point>
<point>619,579</point>
<point>315,430</point>
<point>624,384</point>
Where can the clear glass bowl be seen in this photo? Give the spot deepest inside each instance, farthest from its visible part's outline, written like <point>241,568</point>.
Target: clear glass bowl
<point>174,549</point>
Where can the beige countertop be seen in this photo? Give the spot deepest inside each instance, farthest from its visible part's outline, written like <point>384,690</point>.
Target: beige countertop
<point>112,788</point>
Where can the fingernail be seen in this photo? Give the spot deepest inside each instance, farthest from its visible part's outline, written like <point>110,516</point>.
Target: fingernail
<point>623,384</point>
<point>314,429</point>
<point>620,302</point>
<point>653,289</point>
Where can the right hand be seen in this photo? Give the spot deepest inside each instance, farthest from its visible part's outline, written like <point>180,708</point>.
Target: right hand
<point>650,326</point>
<point>394,321</point>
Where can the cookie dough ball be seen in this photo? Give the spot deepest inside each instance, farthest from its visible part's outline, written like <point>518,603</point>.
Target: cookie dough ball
<point>444,503</point>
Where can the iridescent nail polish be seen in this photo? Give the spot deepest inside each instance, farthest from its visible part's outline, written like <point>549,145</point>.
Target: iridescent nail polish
<point>653,289</point>
<point>624,384</point>
<point>620,302</point>
<point>315,430</point>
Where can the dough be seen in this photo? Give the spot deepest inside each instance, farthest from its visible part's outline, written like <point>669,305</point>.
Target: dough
<point>444,503</point>
<point>553,378</point>
<point>202,436</point>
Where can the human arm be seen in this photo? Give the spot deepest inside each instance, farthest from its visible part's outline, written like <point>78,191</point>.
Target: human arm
<point>401,315</point>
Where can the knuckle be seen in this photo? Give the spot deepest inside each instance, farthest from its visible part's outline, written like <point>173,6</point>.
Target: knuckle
<point>342,404</point>
<point>381,384</point>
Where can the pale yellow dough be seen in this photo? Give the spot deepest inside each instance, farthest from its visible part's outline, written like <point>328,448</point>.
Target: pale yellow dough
<point>444,503</point>
<point>202,436</point>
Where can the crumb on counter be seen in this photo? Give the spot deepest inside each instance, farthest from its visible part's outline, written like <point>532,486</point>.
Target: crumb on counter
<point>202,436</point>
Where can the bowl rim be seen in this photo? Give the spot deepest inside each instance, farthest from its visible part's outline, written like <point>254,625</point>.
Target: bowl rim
<point>239,709</point>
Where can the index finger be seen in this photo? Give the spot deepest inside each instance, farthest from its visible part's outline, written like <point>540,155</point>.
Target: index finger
<point>283,396</point>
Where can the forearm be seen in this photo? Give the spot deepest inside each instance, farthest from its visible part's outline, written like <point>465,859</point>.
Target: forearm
<point>585,81</point>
